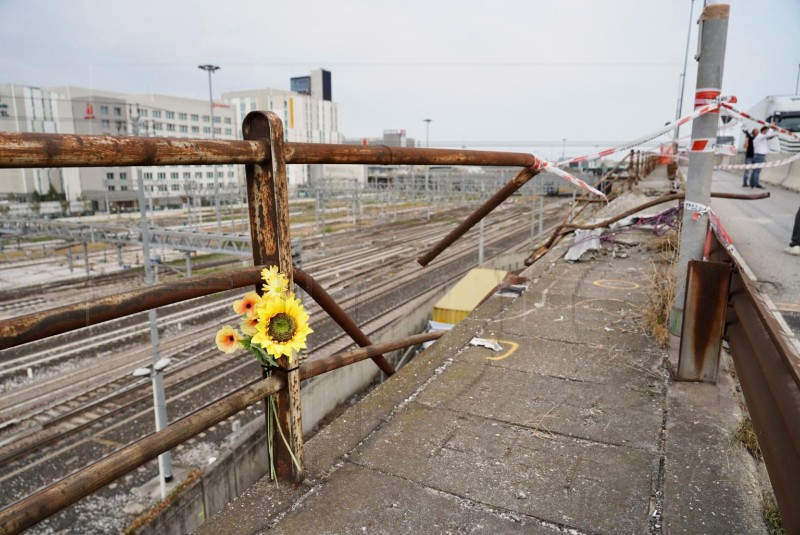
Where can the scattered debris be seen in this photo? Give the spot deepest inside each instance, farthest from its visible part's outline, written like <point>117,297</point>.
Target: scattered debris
<point>491,344</point>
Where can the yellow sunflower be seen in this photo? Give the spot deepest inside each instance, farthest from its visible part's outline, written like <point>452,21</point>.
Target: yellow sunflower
<point>227,339</point>
<point>282,326</point>
<point>277,285</point>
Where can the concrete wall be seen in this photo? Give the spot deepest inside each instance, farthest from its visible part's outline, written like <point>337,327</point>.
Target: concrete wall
<point>785,176</point>
<point>245,460</point>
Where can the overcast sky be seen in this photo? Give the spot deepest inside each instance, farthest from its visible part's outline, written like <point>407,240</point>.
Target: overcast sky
<point>522,74</point>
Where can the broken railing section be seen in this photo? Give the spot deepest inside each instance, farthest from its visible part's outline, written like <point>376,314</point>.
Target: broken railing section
<point>565,228</point>
<point>32,509</point>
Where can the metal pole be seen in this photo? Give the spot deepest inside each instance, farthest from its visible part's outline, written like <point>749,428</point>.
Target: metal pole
<point>797,83</point>
<point>541,204</point>
<point>188,264</point>
<point>480,244</point>
<point>86,259</point>
<point>427,168</point>
<point>711,59</point>
<point>159,398</point>
<point>210,69</point>
<point>683,75</point>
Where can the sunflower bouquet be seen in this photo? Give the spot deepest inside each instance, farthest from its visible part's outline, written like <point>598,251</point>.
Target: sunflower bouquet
<point>273,325</point>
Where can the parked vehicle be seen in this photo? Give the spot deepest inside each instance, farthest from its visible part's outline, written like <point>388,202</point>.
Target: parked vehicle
<point>782,111</point>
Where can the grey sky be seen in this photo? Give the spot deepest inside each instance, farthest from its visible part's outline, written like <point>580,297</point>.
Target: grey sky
<point>489,73</point>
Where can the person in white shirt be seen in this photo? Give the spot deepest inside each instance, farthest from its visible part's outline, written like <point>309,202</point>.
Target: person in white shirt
<point>760,150</point>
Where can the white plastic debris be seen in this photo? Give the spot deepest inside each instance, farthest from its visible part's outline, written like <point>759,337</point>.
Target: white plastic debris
<point>483,342</point>
<point>585,240</point>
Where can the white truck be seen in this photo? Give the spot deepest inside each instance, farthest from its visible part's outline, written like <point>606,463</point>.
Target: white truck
<point>783,111</point>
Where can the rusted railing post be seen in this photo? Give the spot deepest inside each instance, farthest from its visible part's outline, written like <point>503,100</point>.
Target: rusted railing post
<point>268,203</point>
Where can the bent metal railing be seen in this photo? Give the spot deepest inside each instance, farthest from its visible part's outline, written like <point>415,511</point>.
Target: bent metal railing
<point>265,155</point>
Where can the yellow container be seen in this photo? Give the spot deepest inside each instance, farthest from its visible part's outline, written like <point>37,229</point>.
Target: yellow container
<point>466,294</point>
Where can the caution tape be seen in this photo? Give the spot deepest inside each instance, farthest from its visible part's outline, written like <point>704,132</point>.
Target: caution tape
<point>763,165</point>
<point>713,220</point>
<point>701,110</point>
<point>733,112</point>
<point>549,167</point>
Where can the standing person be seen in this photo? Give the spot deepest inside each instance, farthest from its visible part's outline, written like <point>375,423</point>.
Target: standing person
<point>760,150</point>
<point>748,155</point>
<point>794,245</point>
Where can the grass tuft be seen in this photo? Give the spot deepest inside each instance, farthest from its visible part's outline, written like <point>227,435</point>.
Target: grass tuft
<point>746,436</point>
<point>771,515</point>
<point>655,317</point>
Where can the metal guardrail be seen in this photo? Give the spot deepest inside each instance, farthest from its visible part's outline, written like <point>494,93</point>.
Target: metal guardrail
<point>767,361</point>
<point>265,154</point>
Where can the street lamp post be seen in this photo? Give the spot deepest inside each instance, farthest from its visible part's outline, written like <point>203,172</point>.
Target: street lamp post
<point>683,75</point>
<point>427,168</point>
<point>211,69</point>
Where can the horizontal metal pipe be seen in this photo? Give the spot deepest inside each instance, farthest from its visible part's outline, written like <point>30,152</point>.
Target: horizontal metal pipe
<point>493,202</point>
<point>24,149</point>
<point>48,501</point>
<point>307,153</point>
<point>323,299</point>
<point>339,360</point>
<point>39,325</point>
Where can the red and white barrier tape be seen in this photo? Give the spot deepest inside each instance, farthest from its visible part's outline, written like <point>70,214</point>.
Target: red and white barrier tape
<point>733,112</point>
<point>550,167</point>
<point>764,165</point>
<point>701,110</point>
<point>713,220</point>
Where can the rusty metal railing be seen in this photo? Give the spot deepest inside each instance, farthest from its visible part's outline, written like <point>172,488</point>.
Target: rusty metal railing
<point>265,155</point>
<point>767,361</point>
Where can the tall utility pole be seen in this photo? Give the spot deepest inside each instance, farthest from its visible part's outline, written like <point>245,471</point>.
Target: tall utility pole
<point>211,69</point>
<point>683,75</point>
<point>427,167</point>
<point>797,83</point>
<point>694,224</point>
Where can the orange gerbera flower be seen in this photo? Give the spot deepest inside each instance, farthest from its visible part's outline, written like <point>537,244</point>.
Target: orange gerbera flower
<point>246,306</point>
<point>227,339</point>
<point>248,326</point>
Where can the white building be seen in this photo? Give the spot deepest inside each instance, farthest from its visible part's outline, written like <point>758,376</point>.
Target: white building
<point>77,110</point>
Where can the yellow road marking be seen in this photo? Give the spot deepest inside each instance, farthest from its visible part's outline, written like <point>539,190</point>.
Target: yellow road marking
<point>513,348</point>
<point>616,284</point>
<point>106,442</point>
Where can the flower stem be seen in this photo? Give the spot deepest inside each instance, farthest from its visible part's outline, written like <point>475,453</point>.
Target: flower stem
<point>280,431</point>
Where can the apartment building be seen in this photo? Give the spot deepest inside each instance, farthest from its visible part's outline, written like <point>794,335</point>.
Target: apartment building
<point>306,113</point>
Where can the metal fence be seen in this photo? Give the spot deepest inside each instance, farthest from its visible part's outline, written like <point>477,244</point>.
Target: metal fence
<point>265,155</point>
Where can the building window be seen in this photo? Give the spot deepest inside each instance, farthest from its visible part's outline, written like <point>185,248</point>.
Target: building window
<point>158,126</point>
<point>206,129</point>
<point>104,110</point>
<point>195,117</point>
<point>142,113</point>
<point>217,120</point>
<point>109,176</point>
<point>220,174</point>
<point>111,188</point>
<point>230,174</point>
<point>105,123</point>
<point>173,176</point>
<point>181,116</point>
<point>170,115</point>
<point>123,188</point>
<point>148,176</point>
<point>195,130</point>
<point>183,128</point>
<point>175,187</point>
<point>162,188</point>
<point>157,114</point>
<point>117,111</point>
<point>187,176</point>
<point>217,130</point>
<point>228,120</point>
<point>206,118</point>
<point>228,132</point>
<point>123,176</point>
<point>162,176</point>
<point>209,175</point>
<point>170,127</point>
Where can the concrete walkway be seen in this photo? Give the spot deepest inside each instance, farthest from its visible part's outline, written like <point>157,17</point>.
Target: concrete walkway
<point>574,427</point>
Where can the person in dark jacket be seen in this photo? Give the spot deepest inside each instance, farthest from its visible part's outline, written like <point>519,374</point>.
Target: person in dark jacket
<point>794,245</point>
<point>748,155</point>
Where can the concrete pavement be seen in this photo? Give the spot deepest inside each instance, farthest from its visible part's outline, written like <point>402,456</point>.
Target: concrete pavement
<point>575,426</point>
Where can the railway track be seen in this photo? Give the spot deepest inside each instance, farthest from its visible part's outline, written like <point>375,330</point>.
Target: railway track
<point>368,292</point>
